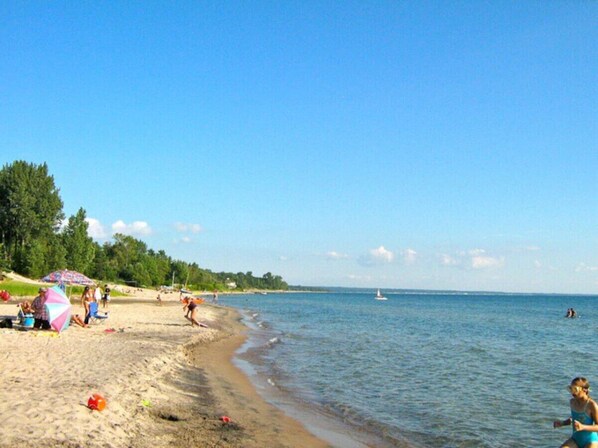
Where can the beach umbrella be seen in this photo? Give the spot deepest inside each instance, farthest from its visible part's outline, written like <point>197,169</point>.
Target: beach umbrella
<point>58,307</point>
<point>68,277</point>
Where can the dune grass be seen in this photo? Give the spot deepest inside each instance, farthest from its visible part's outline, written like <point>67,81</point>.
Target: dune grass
<point>21,289</point>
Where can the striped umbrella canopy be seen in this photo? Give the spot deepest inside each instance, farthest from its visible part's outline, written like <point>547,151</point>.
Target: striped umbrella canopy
<point>68,277</point>
<point>58,307</point>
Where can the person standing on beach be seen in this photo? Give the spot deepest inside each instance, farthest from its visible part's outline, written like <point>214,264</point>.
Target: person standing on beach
<point>40,313</point>
<point>86,299</point>
<point>584,416</point>
<point>86,296</point>
<point>106,297</point>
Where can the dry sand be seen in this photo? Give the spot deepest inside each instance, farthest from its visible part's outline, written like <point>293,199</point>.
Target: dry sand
<point>166,383</point>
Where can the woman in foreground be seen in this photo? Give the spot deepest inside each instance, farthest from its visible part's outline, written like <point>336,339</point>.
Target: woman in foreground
<point>584,416</point>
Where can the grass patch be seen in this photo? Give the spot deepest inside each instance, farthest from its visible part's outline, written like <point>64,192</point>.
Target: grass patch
<point>20,289</point>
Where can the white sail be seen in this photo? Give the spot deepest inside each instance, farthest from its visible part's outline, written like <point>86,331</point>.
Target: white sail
<point>380,296</point>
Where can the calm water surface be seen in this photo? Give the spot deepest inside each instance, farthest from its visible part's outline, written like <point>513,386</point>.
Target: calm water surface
<point>459,370</point>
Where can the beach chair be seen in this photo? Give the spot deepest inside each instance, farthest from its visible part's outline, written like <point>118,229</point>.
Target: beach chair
<point>94,316</point>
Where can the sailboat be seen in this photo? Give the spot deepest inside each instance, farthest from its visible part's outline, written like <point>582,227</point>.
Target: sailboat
<point>379,296</point>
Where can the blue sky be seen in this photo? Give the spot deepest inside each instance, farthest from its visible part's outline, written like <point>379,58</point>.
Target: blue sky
<point>440,145</point>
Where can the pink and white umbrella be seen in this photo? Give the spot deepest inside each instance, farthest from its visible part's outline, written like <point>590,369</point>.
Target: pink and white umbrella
<point>67,277</point>
<point>59,308</point>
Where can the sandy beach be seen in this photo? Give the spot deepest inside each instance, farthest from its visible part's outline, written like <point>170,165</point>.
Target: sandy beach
<point>166,384</point>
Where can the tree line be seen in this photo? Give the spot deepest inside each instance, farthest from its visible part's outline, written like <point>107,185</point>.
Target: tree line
<point>34,240</point>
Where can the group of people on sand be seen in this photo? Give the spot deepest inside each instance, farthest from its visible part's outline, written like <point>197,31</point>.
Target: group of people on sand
<point>571,313</point>
<point>38,311</point>
<point>96,295</point>
<point>584,416</point>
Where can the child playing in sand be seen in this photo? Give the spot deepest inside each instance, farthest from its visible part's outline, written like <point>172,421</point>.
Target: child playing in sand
<point>192,313</point>
<point>25,309</point>
<point>584,416</point>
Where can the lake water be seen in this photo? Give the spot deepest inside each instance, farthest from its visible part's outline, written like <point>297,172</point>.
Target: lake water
<point>436,370</point>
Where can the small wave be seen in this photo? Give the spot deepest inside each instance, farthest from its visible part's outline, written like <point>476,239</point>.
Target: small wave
<point>274,340</point>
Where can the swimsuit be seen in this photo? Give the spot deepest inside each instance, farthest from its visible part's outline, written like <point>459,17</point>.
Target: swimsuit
<point>583,438</point>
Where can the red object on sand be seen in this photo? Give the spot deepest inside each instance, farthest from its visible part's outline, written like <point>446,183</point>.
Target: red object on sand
<point>96,402</point>
<point>5,295</point>
<point>225,419</point>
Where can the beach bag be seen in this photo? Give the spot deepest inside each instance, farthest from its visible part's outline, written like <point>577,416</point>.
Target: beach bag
<point>6,323</point>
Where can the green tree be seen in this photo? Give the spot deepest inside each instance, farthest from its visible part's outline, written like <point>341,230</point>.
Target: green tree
<point>164,267</point>
<point>181,271</point>
<point>30,206</point>
<point>103,267</point>
<point>55,254</point>
<point>4,264</point>
<point>140,275</point>
<point>80,248</point>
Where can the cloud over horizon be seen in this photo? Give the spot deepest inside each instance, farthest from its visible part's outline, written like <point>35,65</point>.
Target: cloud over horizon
<point>136,228</point>
<point>409,256</point>
<point>474,258</point>
<point>96,230</point>
<point>380,255</point>
<point>333,255</point>
<point>187,227</point>
<point>582,267</point>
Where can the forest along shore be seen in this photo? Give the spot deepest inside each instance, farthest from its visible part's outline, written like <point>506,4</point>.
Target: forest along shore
<point>165,383</point>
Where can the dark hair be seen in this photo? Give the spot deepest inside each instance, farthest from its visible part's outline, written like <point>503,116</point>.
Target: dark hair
<point>581,382</point>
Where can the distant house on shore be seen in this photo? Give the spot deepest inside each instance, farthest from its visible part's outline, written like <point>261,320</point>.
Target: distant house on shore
<point>231,285</point>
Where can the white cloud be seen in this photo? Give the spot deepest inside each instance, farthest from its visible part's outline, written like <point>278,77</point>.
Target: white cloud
<point>376,256</point>
<point>283,258</point>
<point>409,256</point>
<point>382,254</point>
<point>333,255</point>
<point>582,267</point>
<point>537,263</point>
<point>136,228</point>
<point>473,258</point>
<point>95,229</point>
<point>485,262</point>
<point>447,260</point>
<point>187,227</point>
<point>476,252</point>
